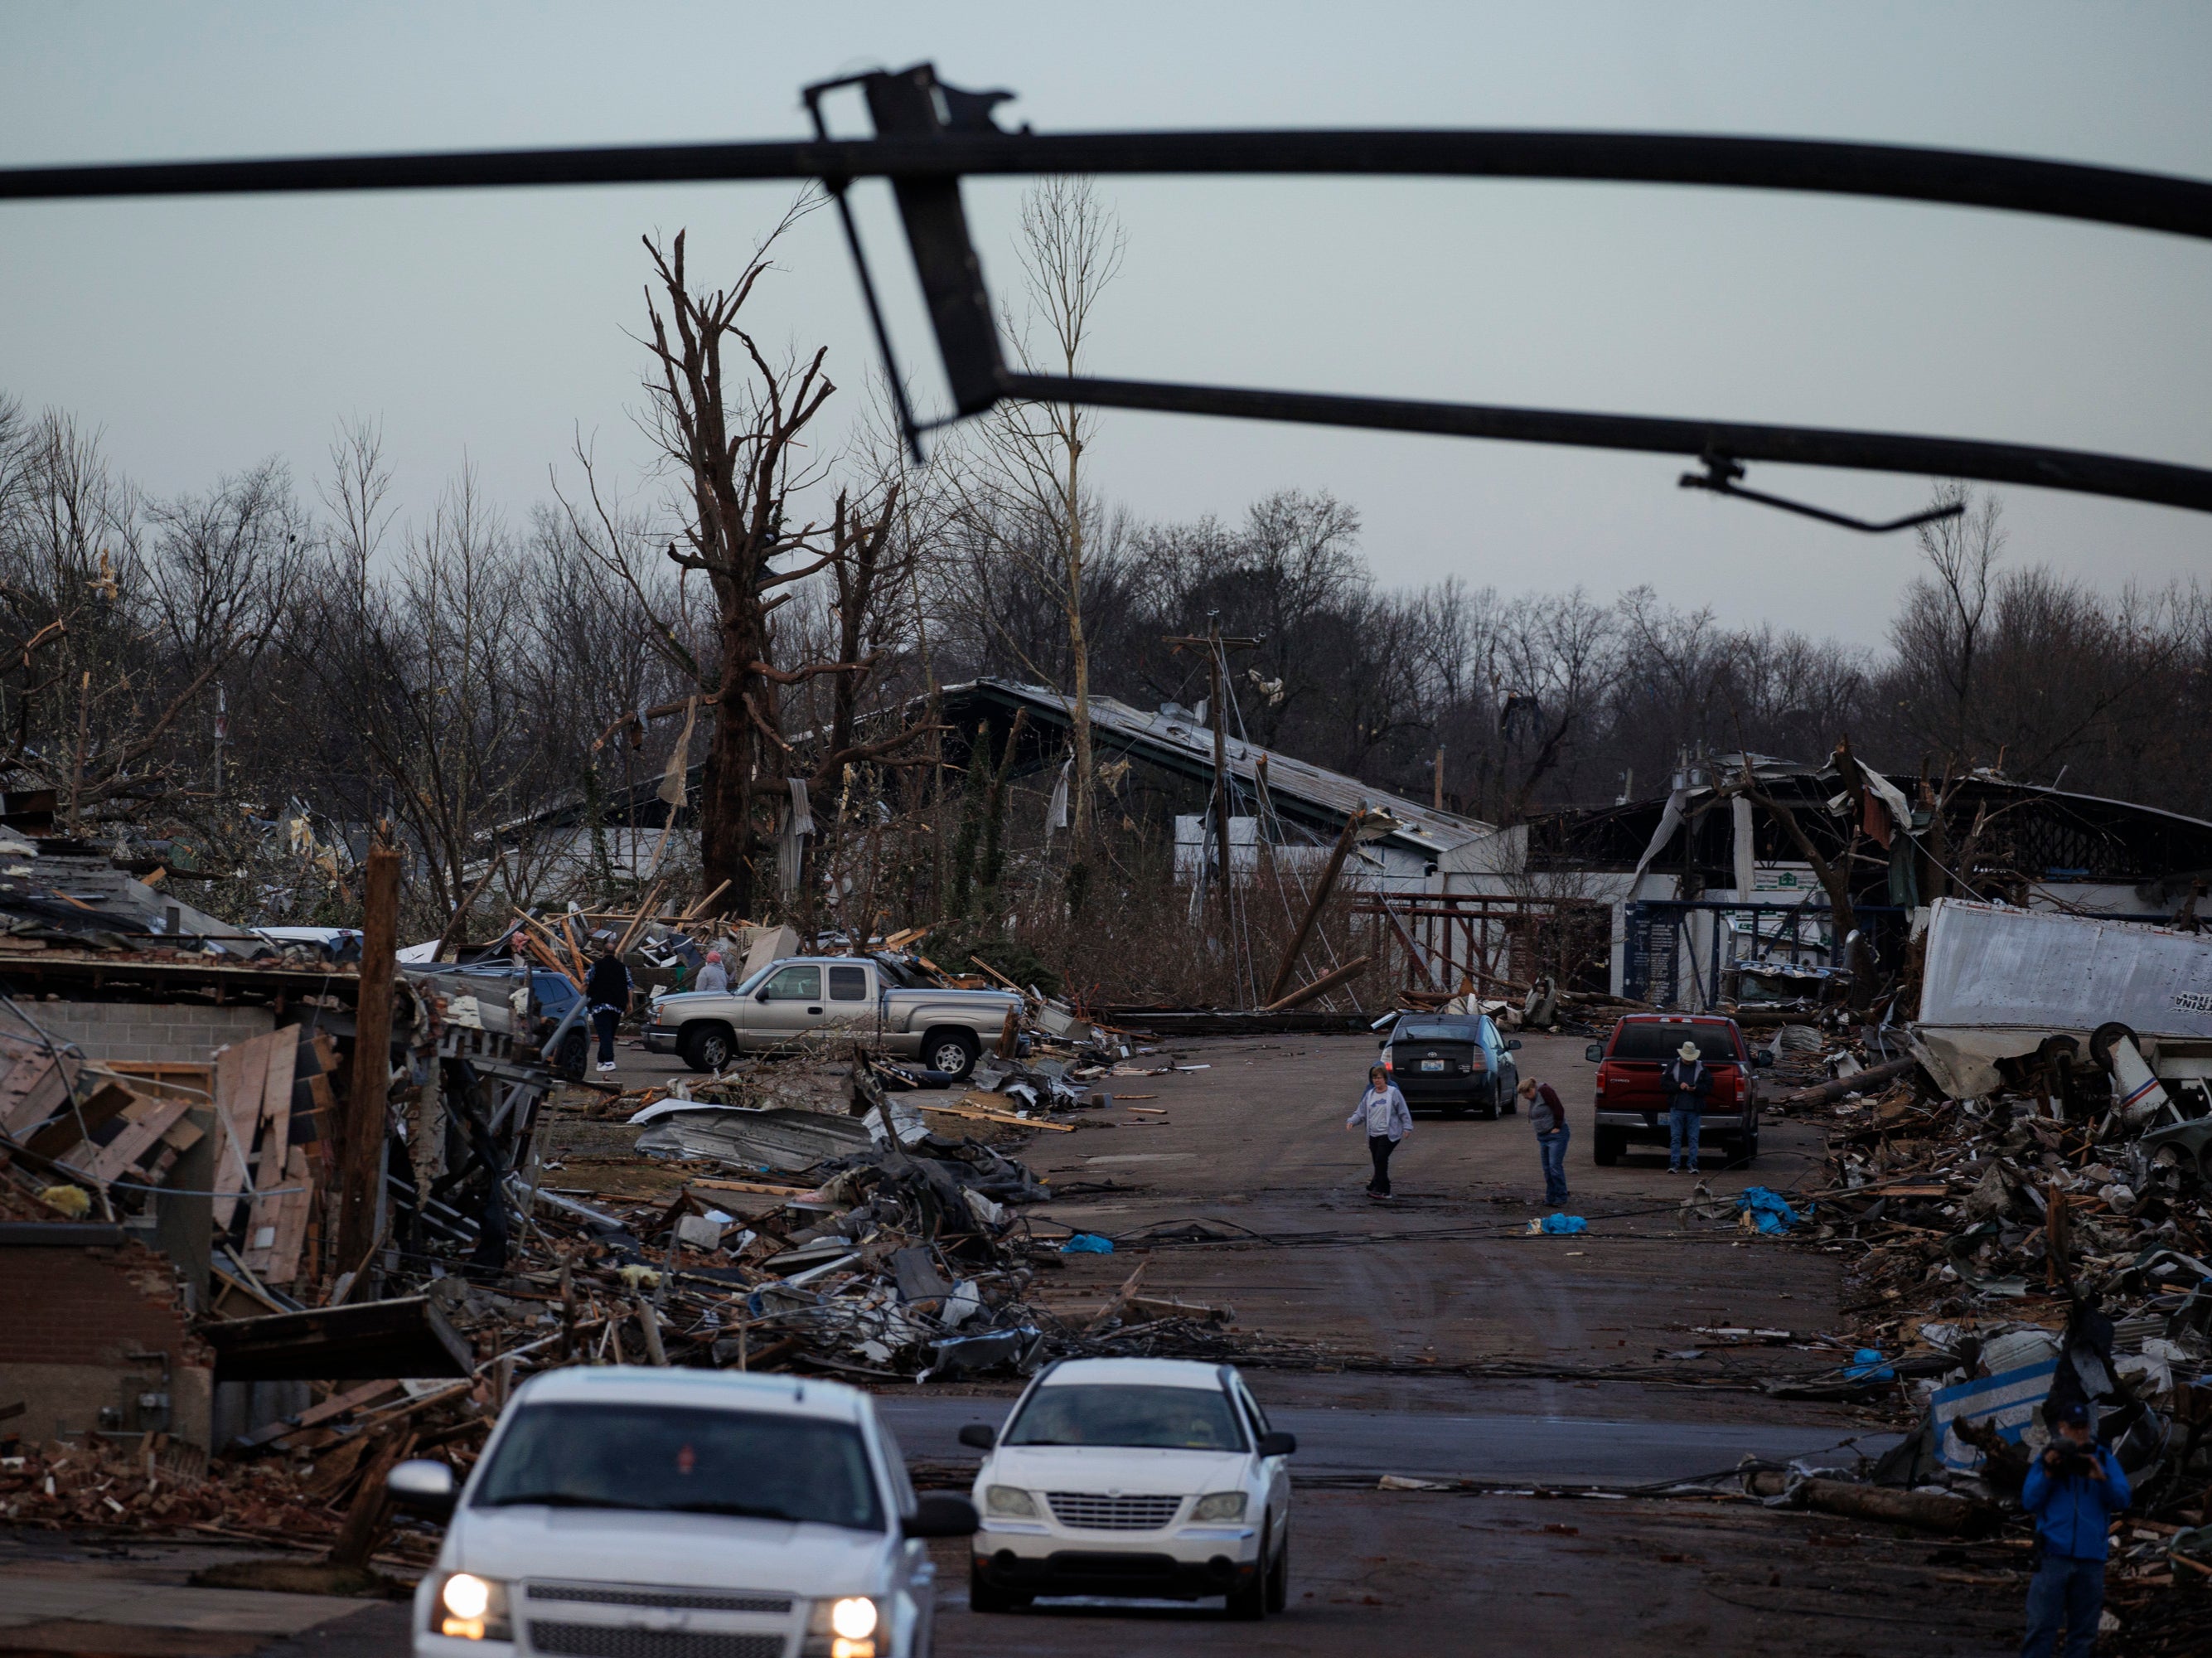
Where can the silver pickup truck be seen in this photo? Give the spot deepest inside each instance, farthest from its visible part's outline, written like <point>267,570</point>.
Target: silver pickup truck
<point>828,1001</point>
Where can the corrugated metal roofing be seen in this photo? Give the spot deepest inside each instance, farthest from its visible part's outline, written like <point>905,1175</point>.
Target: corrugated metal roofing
<point>1175,739</point>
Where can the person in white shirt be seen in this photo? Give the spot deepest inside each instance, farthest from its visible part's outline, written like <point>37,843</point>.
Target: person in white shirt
<point>713,976</point>
<point>1382,1110</point>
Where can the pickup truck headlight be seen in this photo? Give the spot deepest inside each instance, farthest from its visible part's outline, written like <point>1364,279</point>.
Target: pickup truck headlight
<point>472,1608</point>
<point>844,1628</point>
<point>1221,1505</point>
<point>1010,1499</point>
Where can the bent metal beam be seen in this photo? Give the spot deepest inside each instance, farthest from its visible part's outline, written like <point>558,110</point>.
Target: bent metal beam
<point>930,135</point>
<point>2101,195</point>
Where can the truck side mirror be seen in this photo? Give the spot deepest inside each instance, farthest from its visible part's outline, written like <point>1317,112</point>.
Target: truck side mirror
<point>761,996</point>
<point>1511,1043</point>
<point>979,1435</point>
<point>424,1487</point>
<point>1594,1053</point>
<point>941,1513</point>
<point>1279,1444</point>
<point>1762,1058</point>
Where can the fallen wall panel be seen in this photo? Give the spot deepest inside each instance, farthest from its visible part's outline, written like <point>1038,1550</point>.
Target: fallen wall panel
<point>1995,969</point>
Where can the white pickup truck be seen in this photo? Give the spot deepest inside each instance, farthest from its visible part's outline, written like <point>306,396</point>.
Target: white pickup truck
<point>831,1001</point>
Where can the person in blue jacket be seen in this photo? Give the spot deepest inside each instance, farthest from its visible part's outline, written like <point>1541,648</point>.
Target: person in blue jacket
<point>2073,1490</point>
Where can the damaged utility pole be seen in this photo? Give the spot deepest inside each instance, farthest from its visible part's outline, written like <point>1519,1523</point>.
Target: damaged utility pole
<point>1216,697</point>
<point>1327,982</point>
<point>361,1157</point>
<point>1323,888</point>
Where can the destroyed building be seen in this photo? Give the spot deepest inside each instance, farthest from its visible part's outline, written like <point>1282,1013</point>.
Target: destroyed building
<point>1680,896</point>
<point>176,1095</point>
<point>1293,807</point>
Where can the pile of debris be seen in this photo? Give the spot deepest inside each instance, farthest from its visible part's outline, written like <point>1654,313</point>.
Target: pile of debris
<point>880,1234</point>
<point>2027,1207</point>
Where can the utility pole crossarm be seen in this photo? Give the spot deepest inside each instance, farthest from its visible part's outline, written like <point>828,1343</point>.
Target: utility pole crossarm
<point>1214,645</point>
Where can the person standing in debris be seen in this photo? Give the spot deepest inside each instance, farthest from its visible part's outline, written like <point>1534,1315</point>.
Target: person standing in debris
<point>1683,1085</point>
<point>1548,1117</point>
<point>713,976</point>
<point>1382,1110</point>
<point>2073,1490</point>
<point>607,988</point>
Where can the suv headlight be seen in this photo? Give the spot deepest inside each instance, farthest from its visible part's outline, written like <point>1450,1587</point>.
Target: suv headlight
<point>844,1628</point>
<point>472,1608</point>
<point>1009,1500</point>
<point>1221,1505</point>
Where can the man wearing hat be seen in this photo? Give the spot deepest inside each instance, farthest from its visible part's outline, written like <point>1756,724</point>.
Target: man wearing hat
<point>2073,1490</point>
<point>713,976</point>
<point>1683,1085</point>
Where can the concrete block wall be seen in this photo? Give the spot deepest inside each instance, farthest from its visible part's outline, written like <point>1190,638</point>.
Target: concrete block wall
<point>149,1030</point>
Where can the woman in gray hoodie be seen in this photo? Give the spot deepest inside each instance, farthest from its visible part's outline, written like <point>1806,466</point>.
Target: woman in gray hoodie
<point>1382,1109</point>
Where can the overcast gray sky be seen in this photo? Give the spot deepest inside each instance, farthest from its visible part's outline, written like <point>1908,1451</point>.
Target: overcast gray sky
<point>202,335</point>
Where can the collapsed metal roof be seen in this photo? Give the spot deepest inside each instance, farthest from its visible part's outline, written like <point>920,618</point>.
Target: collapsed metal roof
<point>1311,797</point>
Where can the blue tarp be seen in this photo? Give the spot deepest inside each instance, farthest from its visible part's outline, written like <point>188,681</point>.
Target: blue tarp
<point>1559,1225</point>
<point>1087,1243</point>
<point>1767,1210</point>
<point>1867,1365</point>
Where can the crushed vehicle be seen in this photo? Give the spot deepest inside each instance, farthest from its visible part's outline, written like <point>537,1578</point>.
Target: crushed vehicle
<point>1629,1108</point>
<point>613,1506</point>
<point>551,1019</point>
<point>1457,1062</point>
<point>875,1002</point>
<point>1133,1476</point>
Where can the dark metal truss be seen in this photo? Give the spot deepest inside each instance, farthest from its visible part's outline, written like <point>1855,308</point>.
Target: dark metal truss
<point>929,136</point>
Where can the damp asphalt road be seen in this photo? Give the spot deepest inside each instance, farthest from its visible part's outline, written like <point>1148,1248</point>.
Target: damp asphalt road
<point>1446,1445</point>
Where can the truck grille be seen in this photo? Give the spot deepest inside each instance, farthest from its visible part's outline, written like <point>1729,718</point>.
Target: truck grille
<point>605,1641</point>
<point>624,1595</point>
<point>1095,1511</point>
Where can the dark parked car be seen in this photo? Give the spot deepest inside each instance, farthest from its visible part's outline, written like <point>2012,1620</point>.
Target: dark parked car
<point>1629,1063</point>
<point>1457,1062</point>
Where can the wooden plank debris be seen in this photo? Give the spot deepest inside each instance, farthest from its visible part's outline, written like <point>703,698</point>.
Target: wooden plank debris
<point>98,1102</point>
<point>144,1122</point>
<point>973,1105</point>
<point>20,1111</point>
<point>241,1076</point>
<point>758,1186</point>
<point>272,1160</point>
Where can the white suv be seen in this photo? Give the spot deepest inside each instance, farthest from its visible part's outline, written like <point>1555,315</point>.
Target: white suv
<point>620,1512</point>
<point>1155,1478</point>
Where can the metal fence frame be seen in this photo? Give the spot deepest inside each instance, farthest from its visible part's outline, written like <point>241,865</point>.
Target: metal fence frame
<point>1451,938</point>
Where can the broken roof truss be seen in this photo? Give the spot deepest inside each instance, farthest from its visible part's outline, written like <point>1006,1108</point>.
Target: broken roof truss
<point>931,135</point>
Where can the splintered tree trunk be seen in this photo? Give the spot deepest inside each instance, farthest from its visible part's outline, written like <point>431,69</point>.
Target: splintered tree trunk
<point>725,831</point>
<point>739,761</point>
<point>360,1154</point>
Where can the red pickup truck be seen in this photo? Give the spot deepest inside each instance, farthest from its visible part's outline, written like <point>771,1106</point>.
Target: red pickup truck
<point>1629,1062</point>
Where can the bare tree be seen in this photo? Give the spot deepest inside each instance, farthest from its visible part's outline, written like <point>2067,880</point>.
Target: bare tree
<point>1940,636</point>
<point>734,431</point>
<point>1028,493</point>
<point>434,670</point>
<point>127,612</point>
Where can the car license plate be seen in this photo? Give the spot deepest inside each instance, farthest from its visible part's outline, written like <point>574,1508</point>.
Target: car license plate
<point>1432,1064</point>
